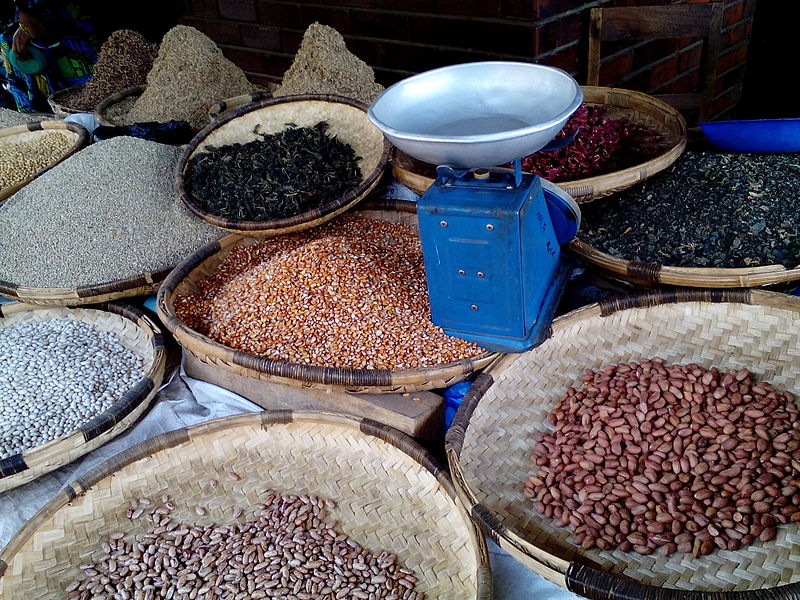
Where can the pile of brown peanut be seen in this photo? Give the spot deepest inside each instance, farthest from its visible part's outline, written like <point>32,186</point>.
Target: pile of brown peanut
<point>653,457</point>
<point>21,160</point>
<point>285,549</point>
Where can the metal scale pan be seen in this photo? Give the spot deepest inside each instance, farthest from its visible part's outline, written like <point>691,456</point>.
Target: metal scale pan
<point>491,237</point>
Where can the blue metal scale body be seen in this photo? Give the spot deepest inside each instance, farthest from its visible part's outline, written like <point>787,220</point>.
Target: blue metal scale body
<point>492,256</point>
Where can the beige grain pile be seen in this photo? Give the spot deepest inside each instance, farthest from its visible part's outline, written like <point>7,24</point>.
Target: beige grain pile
<point>188,76</point>
<point>125,59</point>
<point>324,65</point>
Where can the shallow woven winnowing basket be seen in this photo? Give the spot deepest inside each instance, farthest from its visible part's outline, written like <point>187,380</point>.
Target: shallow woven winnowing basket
<point>138,334</point>
<point>390,494</point>
<point>493,436</point>
<point>348,122</point>
<point>205,261</point>
<point>76,134</point>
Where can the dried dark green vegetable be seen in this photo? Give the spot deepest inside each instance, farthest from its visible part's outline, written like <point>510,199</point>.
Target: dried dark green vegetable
<point>709,209</point>
<point>274,176</point>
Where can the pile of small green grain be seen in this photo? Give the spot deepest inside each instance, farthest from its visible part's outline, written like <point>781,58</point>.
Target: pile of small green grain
<point>189,74</point>
<point>324,65</point>
<point>108,212</point>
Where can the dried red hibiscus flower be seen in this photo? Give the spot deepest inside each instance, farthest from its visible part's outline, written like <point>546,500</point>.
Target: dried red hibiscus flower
<point>602,145</point>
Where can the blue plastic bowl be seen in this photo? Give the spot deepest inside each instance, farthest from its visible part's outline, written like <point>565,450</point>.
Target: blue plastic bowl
<point>33,65</point>
<point>755,135</point>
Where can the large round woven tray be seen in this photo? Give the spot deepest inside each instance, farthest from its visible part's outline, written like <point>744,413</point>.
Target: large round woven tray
<point>27,132</point>
<point>111,110</point>
<point>389,492</point>
<point>492,437</point>
<point>56,102</point>
<point>633,106</point>
<point>348,122</point>
<point>137,333</point>
<point>204,262</point>
<point>653,273</point>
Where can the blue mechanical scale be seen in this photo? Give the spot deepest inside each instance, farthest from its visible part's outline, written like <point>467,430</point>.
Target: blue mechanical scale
<point>491,240</point>
<point>491,237</point>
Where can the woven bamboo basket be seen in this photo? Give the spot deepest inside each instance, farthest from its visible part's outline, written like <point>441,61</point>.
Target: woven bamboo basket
<point>348,122</point>
<point>137,333</point>
<point>75,133</point>
<point>140,285</point>
<point>390,495</point>
<point>633,106</point>
<point>183,280</point>
<point>492,438</point>
<point>112,110</point>
<point>229,104</point>
<point>651,274</point>
<point>56,102</point>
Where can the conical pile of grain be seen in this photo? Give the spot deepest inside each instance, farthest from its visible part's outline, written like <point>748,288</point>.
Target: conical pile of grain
<point>324,65</point>
<point>188,76</point>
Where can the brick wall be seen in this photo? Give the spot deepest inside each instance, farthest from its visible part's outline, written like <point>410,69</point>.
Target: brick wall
<point>402,37</point>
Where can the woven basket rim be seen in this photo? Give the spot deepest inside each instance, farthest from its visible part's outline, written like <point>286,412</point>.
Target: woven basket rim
<point>578,577</point>
<point>218,108</point>
<point>313,374</point>
<point>54,100</point>
<point>16,470</point>
<point>105,103</point>
<point>81,140</point>
<point>263,419</point>
<point>591,188</point>
<point>116,289</point>
<point>652,273</point>
<point>277,226</point>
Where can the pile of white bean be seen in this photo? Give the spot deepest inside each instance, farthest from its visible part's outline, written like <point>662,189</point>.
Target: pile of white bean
<point>54,376</point>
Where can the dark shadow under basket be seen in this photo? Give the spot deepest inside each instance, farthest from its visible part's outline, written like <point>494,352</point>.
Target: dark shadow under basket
<point>388,493</point>
<point>204,261</point>
<point>635,107</point>
<point>78,135</point>
<point>654,274</point>
<point>494,432</point>
<point>137,333</point>
<point>348,121</point>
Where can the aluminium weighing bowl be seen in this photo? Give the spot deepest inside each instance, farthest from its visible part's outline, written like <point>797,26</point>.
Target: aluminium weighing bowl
<point>477,114</point>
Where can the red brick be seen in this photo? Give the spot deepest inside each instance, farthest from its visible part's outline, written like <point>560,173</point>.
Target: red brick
<point>223,32</point>
<point>332,16</point>
<point>255,36</point>
<point>367,50</point>
<point>246,60</point>
<point>405,5</point>
<point>518,9</point>
<point>280,14</point>
<point>547,37</point>
<point>664,71</point>
<point>616,68</point>
<point>736,34</point>
<point>266,81</point>
<point>291,40</point>
<point>238,10</point>
<point>566,59</point>
<point>690,58</point>
<point>732,58</point>
<point>277,64</point>
<point>384,26</point>
<point>733,14</point>
<point>470,8</point>
<point>551,8</point>
<point>198,24</point>
<point>438,31</point>
<point>570,28</point>
<point>203,8</point>
<point>505,38</point>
